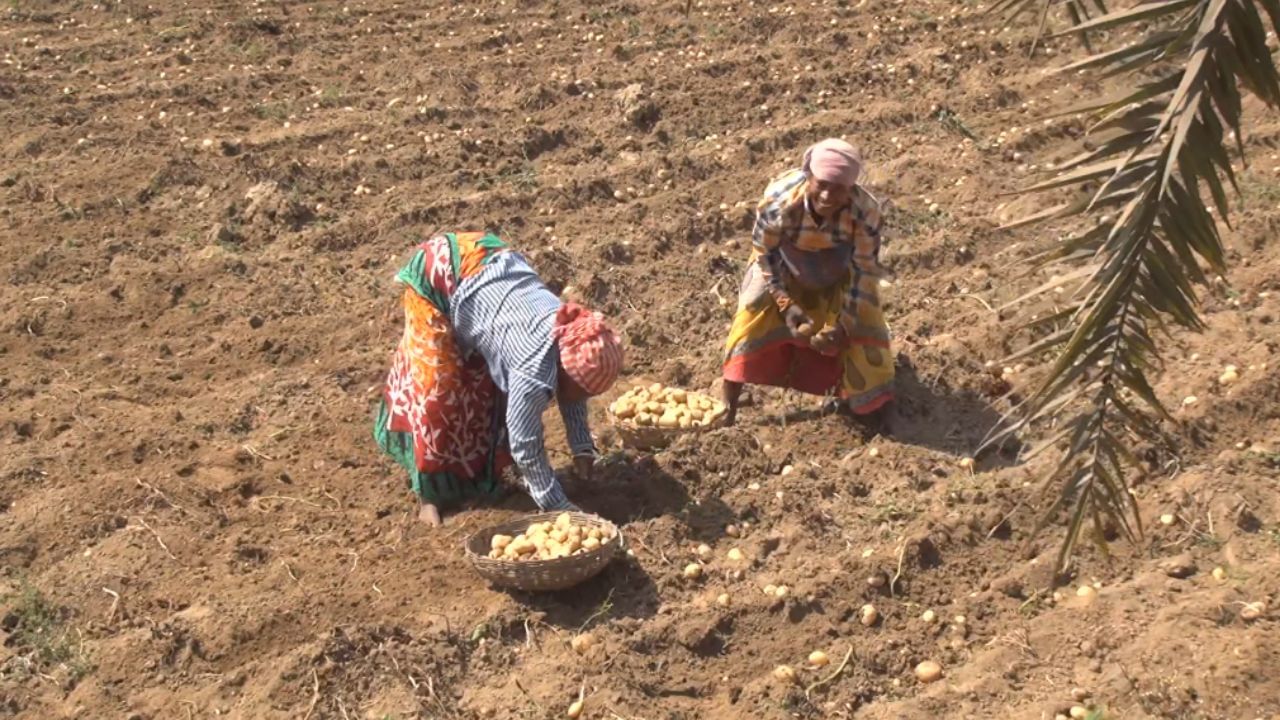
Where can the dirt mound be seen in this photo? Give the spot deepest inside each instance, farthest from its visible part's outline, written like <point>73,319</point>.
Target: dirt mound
<point>202,208</point>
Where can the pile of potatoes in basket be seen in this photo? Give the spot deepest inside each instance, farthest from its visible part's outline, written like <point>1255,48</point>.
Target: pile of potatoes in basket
<point>658,406</point>
<point>548,541</point>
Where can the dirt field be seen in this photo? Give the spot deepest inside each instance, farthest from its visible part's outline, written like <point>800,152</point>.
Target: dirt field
<point>202,205</point>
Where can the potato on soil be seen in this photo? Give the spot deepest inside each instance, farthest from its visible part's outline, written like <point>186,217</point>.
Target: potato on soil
<point>928,671</point>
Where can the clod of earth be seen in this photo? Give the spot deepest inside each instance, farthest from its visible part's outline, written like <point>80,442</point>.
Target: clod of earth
<point>1252,611</point>
<point>582,643</point>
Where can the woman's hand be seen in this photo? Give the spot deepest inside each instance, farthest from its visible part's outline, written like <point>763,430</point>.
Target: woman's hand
<point>830,340</point>
<point>799,322</point>
<point>584,467</point>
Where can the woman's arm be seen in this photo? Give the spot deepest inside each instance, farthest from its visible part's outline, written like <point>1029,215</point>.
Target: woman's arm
<point>766,240</point>
<point>866,268</point>
<point>578,428</point>
<point>526,402</point>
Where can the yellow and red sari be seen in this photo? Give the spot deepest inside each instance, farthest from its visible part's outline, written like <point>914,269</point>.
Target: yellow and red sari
<point>832,271</point>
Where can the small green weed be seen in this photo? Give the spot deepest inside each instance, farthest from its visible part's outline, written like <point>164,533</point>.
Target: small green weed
<point>890,512</point>
<point>39,632</point>
<point>271,111</point>
<point>332,96</point>
<point>952,122</point>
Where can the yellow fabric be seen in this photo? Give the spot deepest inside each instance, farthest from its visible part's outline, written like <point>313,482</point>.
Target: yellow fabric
<point>866,367</point>
<point>782,216</point>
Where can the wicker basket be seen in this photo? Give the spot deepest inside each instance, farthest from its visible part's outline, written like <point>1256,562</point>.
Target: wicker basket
<point>649,437</point>
<point>542,575</point>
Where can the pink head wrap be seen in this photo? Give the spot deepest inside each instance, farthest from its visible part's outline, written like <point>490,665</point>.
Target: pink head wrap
<point>833,160</point>
<point>590,351</point>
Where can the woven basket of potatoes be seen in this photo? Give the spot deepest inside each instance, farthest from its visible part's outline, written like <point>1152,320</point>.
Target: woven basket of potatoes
<point>543,552</point>
<point>650,416</point>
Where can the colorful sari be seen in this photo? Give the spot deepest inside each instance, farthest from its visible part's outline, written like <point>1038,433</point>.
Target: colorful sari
<point>831,271</point>
<point>440,417</point>
<point>762,350</point>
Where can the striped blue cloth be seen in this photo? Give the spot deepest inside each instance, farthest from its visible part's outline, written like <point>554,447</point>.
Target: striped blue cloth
<point>506,314</point>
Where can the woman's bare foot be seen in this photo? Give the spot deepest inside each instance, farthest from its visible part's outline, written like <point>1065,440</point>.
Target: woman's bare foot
<point>429,514</point>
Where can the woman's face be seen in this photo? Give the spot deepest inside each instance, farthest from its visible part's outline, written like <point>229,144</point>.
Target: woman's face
<point>569,391</point>
<point>827,197</point>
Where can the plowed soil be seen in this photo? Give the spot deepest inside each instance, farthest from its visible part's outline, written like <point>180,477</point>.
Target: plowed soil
<point>202,206</point>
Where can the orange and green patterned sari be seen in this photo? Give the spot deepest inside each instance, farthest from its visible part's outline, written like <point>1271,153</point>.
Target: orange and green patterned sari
<point>439,417</point>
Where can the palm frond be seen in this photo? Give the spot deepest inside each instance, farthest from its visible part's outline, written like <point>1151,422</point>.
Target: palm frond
<point>1079,11</point>
<point>1159,158</point>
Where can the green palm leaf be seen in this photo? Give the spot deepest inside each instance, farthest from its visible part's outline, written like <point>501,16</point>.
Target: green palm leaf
<point>1160,152</point>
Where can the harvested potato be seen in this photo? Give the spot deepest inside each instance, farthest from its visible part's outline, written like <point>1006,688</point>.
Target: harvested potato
<point>785,673</point>
<point>549,541</point>
<point>869,615</point>
<point>668,408</point>
<point>928,671</point>
<point>817,658</point>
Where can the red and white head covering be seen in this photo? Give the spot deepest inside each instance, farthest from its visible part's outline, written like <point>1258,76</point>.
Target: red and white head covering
<point>590,351</point>
<point>834,160</point>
